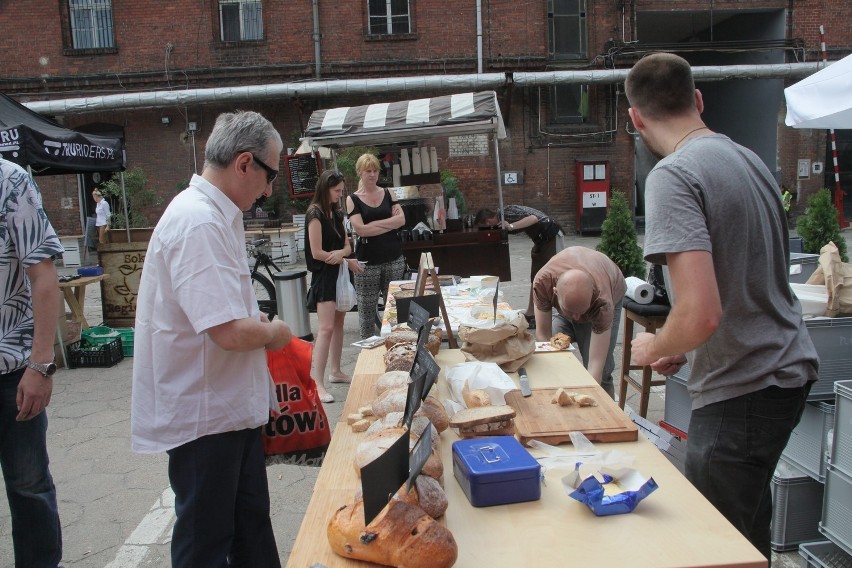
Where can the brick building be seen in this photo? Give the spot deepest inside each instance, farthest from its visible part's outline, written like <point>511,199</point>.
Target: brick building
<point>151,70</point>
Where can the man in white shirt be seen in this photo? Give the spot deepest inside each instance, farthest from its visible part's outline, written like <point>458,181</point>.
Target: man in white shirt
<point>201,387</point>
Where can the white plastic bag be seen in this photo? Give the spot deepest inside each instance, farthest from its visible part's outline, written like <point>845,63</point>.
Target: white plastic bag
<point>346,298</point>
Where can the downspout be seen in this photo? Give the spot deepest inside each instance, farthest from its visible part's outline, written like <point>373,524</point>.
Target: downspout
<point>478,36</point>
<point>316,37</point>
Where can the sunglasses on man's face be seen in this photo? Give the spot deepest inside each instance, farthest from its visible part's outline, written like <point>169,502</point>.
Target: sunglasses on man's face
<point>271,174</point>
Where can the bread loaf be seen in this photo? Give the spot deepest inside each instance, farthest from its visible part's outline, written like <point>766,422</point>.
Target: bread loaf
<point>393,400</point>
<point>391,380</point>
<point>475,398</point>
<point>377,443</point>
<point>402,535</point>
<point>407,335</point>
<point>400,357</point>
<point>418,425</point>
<point>427,494</point>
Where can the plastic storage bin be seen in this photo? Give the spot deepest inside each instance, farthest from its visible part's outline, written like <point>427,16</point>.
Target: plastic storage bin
<point>840,455</point>
<point>127,335</point>
<point>496,470</point>
<point>796,508</point>
<point>809,442</point>
<point>832,338</point>
<point>84,354</point>
<point>824,554</point>
<point>802,266</point>
<point>678,408</point>
<point>836,521</point>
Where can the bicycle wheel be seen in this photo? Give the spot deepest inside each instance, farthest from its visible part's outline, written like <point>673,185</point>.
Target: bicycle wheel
<point>265,292</point>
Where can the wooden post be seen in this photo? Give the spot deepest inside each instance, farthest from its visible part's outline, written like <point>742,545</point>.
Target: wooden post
<point>427,270</point>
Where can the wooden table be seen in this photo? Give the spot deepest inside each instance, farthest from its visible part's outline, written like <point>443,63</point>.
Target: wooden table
<point>75,296</point>
<point>674,526</point>
<point>458,304</point>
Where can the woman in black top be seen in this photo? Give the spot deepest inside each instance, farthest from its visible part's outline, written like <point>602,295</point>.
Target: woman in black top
<point>376,218</point>
<point>326,248</point>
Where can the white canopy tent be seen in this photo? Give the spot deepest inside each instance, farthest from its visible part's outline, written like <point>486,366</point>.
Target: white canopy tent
<point>409,121</point>
<point>822,100</point>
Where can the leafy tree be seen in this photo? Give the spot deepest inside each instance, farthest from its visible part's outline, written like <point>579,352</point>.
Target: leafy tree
<point>451,188</point>
<point>618,238</point>
<point>819,224</point>
<point>139,197</point>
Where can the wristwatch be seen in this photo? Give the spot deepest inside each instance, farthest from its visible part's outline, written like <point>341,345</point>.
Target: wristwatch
<point>46,369</point>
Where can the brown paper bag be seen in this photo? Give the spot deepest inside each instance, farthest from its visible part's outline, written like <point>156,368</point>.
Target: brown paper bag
<point>836,275</point>
<point>507,343</point>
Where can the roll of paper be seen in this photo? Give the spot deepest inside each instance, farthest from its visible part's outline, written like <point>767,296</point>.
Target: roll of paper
<point>425,163</point>
<point>415,161</point>
<point>396,174</point>
<point>405,165</point>
<point>639,291</point>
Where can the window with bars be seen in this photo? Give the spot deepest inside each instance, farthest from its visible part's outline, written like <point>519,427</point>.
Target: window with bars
<point>570,103</point>
<point>567,27</point>
<point>241,20</point>
<point>388,17</point>
<point>91,24</point>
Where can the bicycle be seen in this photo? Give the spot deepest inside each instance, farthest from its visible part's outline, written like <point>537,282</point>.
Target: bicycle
<point>264,289</point>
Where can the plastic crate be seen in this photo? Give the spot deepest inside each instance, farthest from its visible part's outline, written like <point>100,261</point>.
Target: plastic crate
<point>840,455</point>
<point>808,446</point>
<point>832,338</point>
<point>802,266</point>
<point>678,408</point>
<point>824,554</point>
<point>126,334</point>
<point>84,354</point>
<point>99,335</point>
<point>796,508</point>
<point>836,521</point>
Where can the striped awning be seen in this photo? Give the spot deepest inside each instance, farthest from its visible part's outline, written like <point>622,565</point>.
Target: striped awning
<point>413,120</point>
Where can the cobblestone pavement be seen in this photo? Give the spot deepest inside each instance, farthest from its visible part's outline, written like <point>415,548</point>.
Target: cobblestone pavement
<point>115,506</point>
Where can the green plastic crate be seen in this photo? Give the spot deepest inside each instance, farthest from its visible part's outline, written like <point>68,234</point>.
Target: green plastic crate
<point>99,335</point>
<point>126,334</point>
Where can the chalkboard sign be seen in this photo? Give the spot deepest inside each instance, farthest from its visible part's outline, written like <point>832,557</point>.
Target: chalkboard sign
<point>303,170</point>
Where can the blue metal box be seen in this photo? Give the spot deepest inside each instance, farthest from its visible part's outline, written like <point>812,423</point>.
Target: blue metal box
<point>495,471</point>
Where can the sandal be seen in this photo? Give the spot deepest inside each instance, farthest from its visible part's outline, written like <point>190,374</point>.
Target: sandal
<point>326,397</point>
<point>346,379</point>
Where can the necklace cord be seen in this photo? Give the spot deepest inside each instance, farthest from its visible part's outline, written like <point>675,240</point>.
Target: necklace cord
<point>687,134</point>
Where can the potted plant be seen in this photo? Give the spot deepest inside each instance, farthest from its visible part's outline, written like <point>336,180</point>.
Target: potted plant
<point>618,238</point>
<point>819,224</point>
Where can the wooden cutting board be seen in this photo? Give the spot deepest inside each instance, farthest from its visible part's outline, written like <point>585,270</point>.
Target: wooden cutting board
<point>539,419</point>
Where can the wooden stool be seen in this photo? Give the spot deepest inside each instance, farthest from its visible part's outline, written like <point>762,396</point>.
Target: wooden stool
<point>651,317</point>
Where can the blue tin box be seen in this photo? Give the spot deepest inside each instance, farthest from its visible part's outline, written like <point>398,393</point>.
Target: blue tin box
<point>495,471</point>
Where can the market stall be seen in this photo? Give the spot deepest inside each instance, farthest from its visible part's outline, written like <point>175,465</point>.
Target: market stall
<point>674,526</point>
<point>407,125</point>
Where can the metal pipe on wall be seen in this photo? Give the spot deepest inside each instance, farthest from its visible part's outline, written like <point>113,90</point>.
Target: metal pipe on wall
<point>479,36</point>
<point>317,37</point>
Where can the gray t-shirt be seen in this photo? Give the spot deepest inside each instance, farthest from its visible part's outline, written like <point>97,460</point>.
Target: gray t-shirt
<point>715,195</point>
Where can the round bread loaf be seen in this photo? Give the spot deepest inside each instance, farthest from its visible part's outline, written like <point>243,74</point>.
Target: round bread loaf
<point>400,357</point>
<point>406,335</point>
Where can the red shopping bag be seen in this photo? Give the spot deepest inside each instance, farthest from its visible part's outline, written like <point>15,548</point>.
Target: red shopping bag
<point>300,434</point>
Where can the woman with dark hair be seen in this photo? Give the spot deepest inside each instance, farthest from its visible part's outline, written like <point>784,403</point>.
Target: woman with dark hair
<point>326,249</point>
<point>376,217</point>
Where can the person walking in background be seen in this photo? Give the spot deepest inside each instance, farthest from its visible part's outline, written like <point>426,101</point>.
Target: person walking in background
<point>326,248</point>
<point>587,290</point>
<point>545,233</point>
<point>201,385</point>
<point>30,300</point>
<point>102,213</point>
<point>711,208</point>
<point>376,217</point>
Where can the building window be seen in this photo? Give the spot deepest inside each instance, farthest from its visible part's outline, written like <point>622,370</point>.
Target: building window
<point>567,23</point>
<point>241,20</point>
<point>388,17</point>
<point>91,24</point>
<point>570,104</point>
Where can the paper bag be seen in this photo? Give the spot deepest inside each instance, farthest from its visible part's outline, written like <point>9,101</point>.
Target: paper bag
<point>506,343</point>
<point>836,275</point>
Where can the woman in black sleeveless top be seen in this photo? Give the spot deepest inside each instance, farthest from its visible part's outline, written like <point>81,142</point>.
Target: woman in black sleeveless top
<point>376,218</point>
<point>326,249</point>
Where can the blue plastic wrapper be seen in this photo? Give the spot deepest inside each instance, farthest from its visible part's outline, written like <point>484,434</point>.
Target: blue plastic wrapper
<point>588,486</point>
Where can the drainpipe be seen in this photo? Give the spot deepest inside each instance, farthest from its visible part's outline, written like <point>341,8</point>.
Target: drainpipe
<point>316,37</point>
<point>479,36</point>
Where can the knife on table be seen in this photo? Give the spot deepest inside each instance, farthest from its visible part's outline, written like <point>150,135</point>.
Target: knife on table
<point>496,291</point>
<point>525,382</point>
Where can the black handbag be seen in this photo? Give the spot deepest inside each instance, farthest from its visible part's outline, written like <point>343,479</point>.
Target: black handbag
<point>311,300</point>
